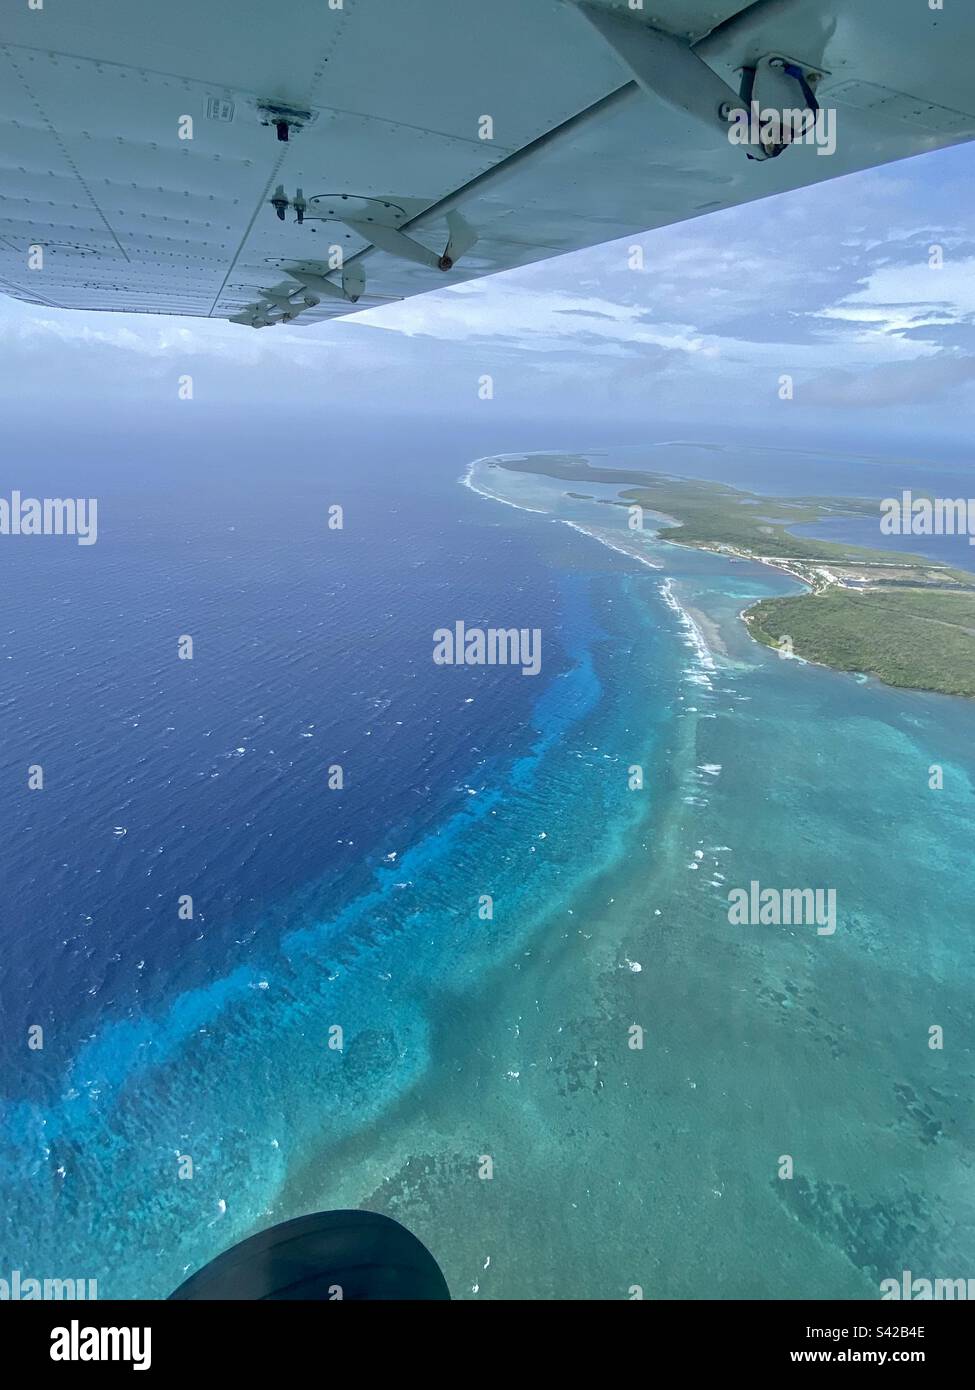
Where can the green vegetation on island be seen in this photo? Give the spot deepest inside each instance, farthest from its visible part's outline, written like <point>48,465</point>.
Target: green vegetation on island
<point>921,639</point>
<point>900,617</point>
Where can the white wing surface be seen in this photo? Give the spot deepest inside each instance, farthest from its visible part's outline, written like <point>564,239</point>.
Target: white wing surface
<point>297,159</point>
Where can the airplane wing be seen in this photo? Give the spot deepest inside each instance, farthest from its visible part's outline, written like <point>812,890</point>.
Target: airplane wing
<point>296,160</point>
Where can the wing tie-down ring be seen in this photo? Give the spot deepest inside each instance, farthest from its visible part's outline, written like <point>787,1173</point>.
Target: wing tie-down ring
<point>772,130</point>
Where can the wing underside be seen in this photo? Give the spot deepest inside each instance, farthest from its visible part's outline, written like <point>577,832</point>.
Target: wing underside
<point>310,158</point>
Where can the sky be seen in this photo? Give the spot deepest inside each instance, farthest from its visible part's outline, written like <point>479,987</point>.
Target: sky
<point>832,285</point>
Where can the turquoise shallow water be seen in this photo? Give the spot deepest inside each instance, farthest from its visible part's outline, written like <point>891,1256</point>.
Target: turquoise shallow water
<point>661,1168</point>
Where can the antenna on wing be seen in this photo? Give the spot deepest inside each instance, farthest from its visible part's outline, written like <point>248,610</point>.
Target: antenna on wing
<point>286,120</point>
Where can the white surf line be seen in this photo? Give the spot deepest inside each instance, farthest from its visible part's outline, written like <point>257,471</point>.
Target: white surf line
<point>596,535</point>
<point>468,481</point>
<point>699,673</point>
<point>693,638</point>
<point>593,533</point>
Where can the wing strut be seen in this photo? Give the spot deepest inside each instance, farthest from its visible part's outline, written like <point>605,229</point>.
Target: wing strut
<point>667,68</point>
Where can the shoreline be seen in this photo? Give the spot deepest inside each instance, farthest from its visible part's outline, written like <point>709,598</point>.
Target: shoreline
<point>897,618</point>
<point>779,565</point>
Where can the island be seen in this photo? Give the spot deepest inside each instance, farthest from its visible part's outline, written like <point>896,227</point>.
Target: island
<point>902,618</point>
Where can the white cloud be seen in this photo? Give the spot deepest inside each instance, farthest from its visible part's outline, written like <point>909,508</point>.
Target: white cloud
<point>541,320</point>
<point>898,297</point>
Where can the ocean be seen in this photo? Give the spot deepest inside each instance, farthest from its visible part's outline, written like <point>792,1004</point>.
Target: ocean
<point>338,1023</point>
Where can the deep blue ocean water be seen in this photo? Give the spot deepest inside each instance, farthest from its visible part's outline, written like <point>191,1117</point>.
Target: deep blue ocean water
<point>311,647</point>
